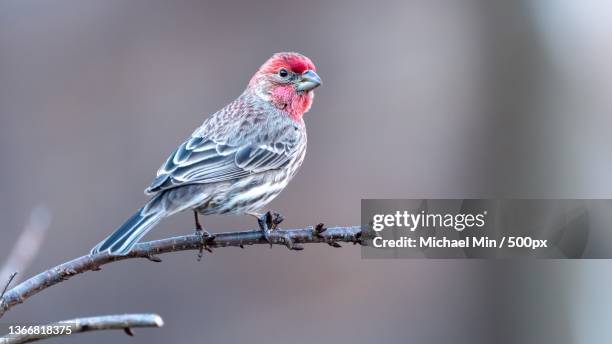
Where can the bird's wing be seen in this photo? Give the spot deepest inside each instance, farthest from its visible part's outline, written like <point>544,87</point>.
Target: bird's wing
<point>207,160</point>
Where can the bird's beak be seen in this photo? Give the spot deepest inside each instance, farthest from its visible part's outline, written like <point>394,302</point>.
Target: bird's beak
<point>308,81</point>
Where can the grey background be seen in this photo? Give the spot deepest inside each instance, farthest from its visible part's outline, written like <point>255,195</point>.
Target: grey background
<point>421,99</point>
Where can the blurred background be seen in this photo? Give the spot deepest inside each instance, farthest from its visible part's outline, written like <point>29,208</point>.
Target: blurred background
<point>421,99</point>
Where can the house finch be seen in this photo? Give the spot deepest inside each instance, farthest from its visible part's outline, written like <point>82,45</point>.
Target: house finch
<point>238,160</point>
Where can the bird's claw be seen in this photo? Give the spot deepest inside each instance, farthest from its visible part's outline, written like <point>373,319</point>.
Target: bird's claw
<point>277,219</point>
<point>273,219</point>
<point>263,225</point>
<point>205,239</point>
<point>269,222</point>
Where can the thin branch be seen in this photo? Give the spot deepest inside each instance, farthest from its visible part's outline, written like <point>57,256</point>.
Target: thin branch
<point>290,238</point>
<point>28,244</point>
<point>10,280</point>
<point>69,327</point>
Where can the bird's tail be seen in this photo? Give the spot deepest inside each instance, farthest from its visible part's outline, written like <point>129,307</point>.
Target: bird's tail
<point>127,235</point>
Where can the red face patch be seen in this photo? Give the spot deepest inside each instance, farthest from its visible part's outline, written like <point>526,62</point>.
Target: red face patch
<point>284,96</point>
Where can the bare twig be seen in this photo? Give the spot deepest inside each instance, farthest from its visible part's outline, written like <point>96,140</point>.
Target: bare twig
<point>69,327</point>
<point>28,244</point>
<point>8,283</point>
<point>150,249</point>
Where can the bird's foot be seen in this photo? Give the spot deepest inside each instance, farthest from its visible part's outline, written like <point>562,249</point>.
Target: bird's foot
<point>205,239</point>
<point>268,222</point>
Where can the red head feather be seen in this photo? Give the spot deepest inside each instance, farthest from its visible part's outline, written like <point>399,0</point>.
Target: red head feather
<point>295,62</point>
<point>285,96</point>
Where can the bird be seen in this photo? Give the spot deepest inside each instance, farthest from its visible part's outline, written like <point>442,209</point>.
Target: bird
<point>238,160</point>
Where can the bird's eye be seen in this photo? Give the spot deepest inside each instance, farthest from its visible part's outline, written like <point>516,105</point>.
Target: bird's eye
<point>283,73</point>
